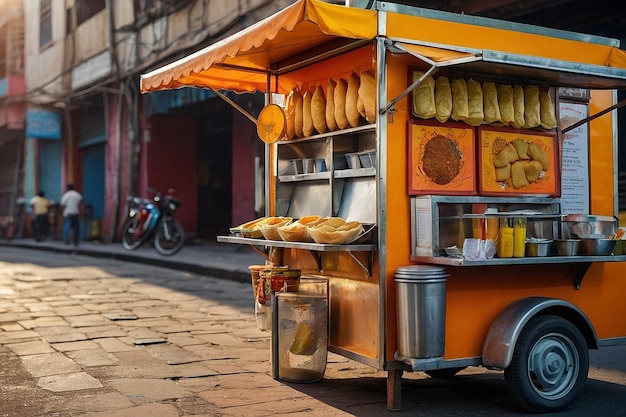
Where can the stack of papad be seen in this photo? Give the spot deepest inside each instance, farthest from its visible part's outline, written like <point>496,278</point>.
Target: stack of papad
<point>252,229</point>
<point>335,231</point>
<point>298,230</point>
<point>269,229</point>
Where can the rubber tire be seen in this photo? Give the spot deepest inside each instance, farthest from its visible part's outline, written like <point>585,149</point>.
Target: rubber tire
<point>169,247</point>
<point>446,373</point>
<point>560,343</point>
<point>129,240</point>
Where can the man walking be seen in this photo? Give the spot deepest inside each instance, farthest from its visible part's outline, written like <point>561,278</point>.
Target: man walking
<point>71,203</point>
<point>40,211</point>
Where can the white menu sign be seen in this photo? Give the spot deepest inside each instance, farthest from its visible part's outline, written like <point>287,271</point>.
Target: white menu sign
<point>574,159</point>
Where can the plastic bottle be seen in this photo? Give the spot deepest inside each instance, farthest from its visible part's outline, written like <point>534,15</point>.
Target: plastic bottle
<point>519,238</point>
<point>505,240</point>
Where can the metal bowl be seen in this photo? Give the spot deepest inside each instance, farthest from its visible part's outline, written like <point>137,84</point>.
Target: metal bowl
<point>589,226</point>
<point>567,247</point>
<point>538,247</point>
<point>596,247</point>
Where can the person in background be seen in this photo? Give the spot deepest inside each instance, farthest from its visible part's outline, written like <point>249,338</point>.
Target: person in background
<point>40,210</point>
<point>71,203</point>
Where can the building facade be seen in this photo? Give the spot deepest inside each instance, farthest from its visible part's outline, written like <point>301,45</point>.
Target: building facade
<point>71,112</point>
<point>86,123</point>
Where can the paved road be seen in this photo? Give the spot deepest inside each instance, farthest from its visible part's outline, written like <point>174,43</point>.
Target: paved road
<point>85,336</point>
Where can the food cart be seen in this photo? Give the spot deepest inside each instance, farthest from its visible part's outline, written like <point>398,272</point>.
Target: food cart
<point>434,188</point>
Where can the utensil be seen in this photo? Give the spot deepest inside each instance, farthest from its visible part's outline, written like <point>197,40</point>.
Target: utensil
<point>538,247</point>
<point>567,247</point>
<point>596,247</point>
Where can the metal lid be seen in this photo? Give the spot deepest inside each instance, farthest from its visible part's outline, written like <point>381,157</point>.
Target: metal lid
<point>420,272</point>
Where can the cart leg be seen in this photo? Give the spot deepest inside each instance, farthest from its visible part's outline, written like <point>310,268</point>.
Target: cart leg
<point>394,389</point>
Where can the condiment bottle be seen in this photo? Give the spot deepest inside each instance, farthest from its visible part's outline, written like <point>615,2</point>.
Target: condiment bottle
<point>519,237</point>
<point>505,239</point>
<point>493,225</point>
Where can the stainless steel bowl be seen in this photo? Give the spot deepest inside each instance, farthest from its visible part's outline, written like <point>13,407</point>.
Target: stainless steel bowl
<point>596,247</point>
<point>567,247</point>
<point>588,226</point>
<point>538,247</point>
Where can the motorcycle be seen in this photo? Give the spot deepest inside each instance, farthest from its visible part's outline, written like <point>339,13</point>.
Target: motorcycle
<point>153,220</point>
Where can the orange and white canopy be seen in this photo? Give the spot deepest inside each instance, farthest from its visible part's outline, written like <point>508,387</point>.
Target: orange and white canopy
<point>259,57</point>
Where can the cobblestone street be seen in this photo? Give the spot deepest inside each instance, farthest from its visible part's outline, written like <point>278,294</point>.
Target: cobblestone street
<point>122,339</point>
<point>91,336</point>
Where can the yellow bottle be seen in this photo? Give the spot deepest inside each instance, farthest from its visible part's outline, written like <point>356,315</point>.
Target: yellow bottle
<point>505,240</point>
<point>519,238</point>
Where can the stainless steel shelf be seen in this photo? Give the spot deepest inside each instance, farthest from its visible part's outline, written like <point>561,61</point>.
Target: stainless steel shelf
<point>528,260</point>
<point>581,263</point>
<point>298,245</point>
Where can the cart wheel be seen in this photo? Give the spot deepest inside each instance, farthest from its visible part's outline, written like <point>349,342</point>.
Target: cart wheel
<point>549,366</point>
<point>446,373</point>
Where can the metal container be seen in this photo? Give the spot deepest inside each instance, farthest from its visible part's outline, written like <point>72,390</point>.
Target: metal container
<point>538,247</point>
<point>596,247</point>
<point>421,311</point>
<point>588,226</point>
<point>353,160</point>
<point>567,247</point>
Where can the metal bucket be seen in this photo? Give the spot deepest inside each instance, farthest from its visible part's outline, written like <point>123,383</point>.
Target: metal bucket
<point>421,311</point>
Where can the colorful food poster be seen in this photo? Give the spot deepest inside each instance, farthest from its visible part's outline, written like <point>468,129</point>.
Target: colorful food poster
<point>441,159</point>
<point>518,163</point>
<point>575,159</point>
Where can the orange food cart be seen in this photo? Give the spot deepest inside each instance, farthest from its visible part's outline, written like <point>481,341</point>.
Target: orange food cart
<point>434,188</point>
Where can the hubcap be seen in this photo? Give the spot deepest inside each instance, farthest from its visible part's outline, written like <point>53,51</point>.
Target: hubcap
<point>553,366</point>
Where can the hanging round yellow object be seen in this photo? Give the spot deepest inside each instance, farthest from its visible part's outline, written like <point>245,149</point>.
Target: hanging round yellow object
<point>271,124</point>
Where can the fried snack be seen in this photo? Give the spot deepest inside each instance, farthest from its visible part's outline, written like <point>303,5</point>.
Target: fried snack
<point>252,229</point>
<point>518,107</point>
<point>352,98</point>
<point>341,89</point>
<point>327,233</point>
<point>518,175</point>
<point>360,106</point>
<point>460,110</point>
<point>333,222</point>
<point>367,94</point>
<point>290,114</point>
<point>443,99</point>
<point>508,155</point>
<point>269,228</point>
<point>537,153</point>
<point>532,170</point>
<point>490,103</point>
<point>498,144</point>
<point>307,120</point>
<point>475,103</point>
<point>505,102</point>
<point>503,173</point>
<point>548,118</point>
<point>532,114</point>
<point>297,231</point>
<point>318,110</point>
<point>298,120</point>
<point>521,146</point>
<point>424,97</point>
<point>330,105</point>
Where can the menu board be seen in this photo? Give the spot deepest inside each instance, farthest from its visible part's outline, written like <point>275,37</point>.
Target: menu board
<point>574,160</point>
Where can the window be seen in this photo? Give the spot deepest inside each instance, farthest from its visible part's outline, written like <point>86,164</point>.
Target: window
<point>45,22</point>
<point>88,8</point>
